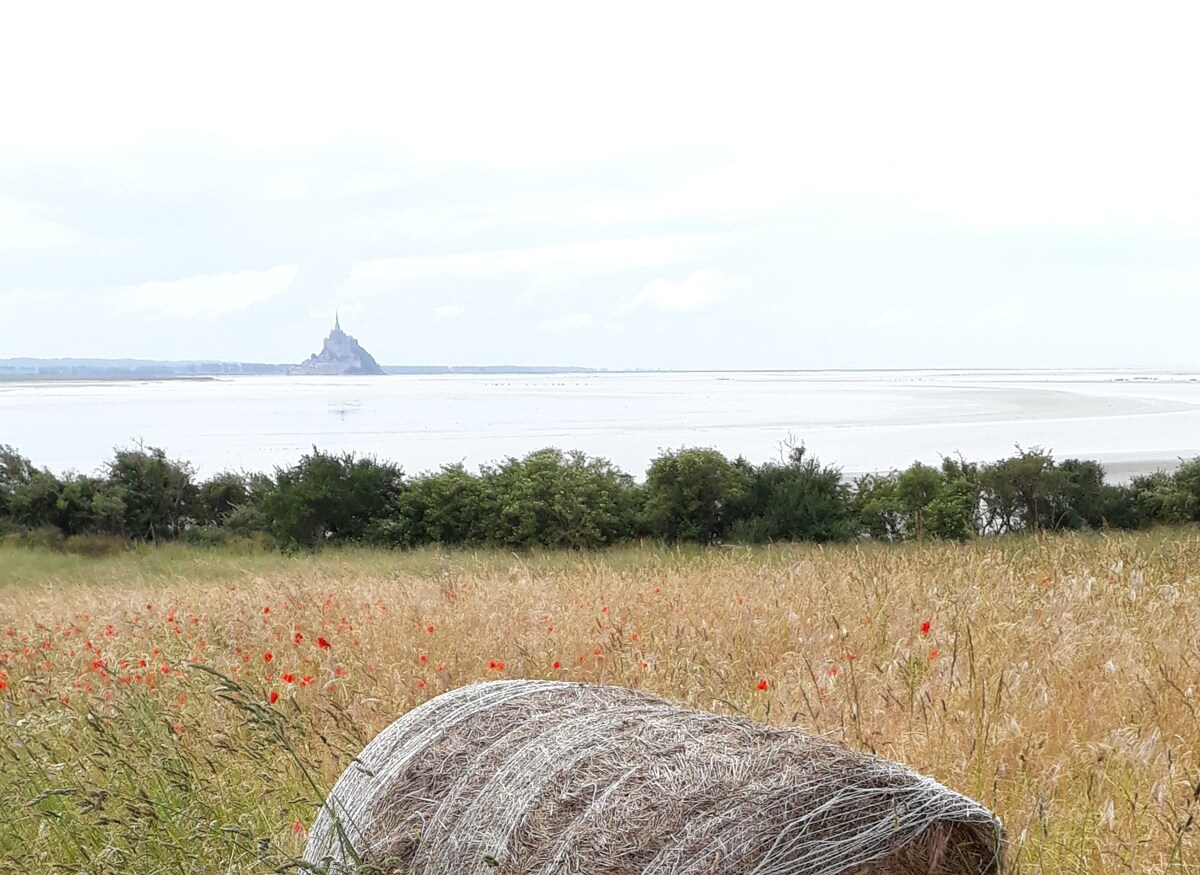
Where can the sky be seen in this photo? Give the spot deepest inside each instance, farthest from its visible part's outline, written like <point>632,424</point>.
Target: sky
<point>618,185</point>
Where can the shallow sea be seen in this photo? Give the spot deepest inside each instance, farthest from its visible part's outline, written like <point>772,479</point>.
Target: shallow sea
<point>859,420</point>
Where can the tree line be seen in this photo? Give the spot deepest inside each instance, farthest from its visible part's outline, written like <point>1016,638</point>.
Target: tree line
<point>556,499</point>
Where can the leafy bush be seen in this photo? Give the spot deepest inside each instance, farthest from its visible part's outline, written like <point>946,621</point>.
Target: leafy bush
<point>445,508</point>
<point>552,499</point>
<point>329,498</point>
<point>691,495</point>
<point>793,501</point>
<point>206,536</point>
<point>1167,498</point>
<point>920,502</point>
<point>34,503</point>
<point>876,509</point>
<point>15,471</point>
<point>157,493</point>
<point>90,505</point>
<point>220,496</point>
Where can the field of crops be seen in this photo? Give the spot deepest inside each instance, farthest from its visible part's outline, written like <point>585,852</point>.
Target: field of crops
<point>185,710</point>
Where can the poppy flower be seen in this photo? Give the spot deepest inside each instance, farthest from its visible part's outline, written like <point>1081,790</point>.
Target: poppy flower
<point>268,656</point>
<point>322,643</point>
<point>761,685</point>
<point>274,697</point>
<point>298,637</point>
<point>925,628</point>
<point>556,664</point>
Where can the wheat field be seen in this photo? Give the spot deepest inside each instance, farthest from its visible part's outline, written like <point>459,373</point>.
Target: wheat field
<point>186,710</point>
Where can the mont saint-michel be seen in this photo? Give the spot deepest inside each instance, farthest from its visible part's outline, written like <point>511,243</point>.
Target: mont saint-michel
<point>341,355</point>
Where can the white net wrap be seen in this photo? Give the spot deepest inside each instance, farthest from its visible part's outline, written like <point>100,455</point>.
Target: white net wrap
<point>547,777</point>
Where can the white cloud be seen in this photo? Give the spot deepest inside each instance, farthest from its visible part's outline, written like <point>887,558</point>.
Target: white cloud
<point>592,257</point>
<point>450,311</point>
<point>702,289</point>
<point>566,323</point>
<point>204,297</point>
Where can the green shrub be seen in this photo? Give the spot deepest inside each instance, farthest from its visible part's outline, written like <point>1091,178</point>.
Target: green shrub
<point>328,498</point>
<point>798,500</point>
<point>206,536</point>
<point>691,495</point>
<point>156,493</point>
<point>446,507</point>
<point>552,499</point>
<point>219,496</point>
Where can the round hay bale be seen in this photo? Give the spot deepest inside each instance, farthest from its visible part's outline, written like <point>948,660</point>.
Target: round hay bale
<point>546,777</point>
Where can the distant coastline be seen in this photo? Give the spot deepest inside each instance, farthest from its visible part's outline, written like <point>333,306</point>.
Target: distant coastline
<point>107,370</point>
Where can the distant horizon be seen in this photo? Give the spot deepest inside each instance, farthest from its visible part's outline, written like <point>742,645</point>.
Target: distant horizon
<point>400,369</point>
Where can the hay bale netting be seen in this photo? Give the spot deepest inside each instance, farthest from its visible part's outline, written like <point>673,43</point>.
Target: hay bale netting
<point>545,777</point>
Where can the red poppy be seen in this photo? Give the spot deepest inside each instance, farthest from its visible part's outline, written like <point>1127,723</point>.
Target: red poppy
<point>322,643</point>
<point>556,664</point>
<point>298,637</point>
<point>268,656</point>
<point>761,685</point>
<point>274,697</point>
<point>288,678</point>
<point>925,628</point>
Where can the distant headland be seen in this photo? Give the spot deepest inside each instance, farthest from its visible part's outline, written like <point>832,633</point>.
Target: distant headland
<point>341,355</point>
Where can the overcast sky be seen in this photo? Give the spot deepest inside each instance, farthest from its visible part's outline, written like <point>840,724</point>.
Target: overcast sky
<point>613,185</point>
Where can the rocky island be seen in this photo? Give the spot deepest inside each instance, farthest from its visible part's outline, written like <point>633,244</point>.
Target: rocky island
<point>341,355</point>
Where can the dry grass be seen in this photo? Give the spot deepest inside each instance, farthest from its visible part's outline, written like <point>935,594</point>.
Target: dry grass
<point>1055,682</point>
